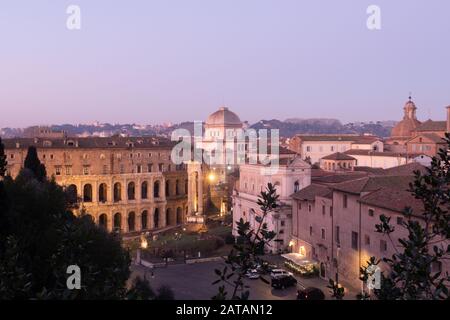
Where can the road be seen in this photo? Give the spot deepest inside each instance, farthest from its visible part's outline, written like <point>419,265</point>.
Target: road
<point>194,282</point>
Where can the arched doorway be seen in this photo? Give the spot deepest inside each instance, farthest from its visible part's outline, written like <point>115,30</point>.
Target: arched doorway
<point>144,220</point>
<point>102,193</point>
<point>117,192</point>
<point>144,190</point>
<point>179,215</point>
<point>131,191</point>
<point>103,221</point>
<point>168,218</point>
<point>156,189</point>
<point>117,222</point>
<point>72,194</point>
<point>87,193</point>
<point>131,221</point>
<point>167,188</point>
<point>156,219</point>
<point>322,270</point>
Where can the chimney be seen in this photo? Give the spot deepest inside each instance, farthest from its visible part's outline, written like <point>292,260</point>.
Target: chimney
<point>448,119</point>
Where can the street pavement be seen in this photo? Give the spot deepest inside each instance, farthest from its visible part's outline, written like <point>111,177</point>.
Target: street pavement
<point>194,282</point>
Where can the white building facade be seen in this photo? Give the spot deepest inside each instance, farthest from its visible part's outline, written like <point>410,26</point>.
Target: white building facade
<point>293,175</point>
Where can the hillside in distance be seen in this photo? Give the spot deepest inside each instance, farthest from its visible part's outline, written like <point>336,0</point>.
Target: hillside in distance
<point>288,128</point>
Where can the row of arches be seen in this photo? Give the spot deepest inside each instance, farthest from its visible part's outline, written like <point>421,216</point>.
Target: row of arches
<point>145,224</point>
<point>87,195</point>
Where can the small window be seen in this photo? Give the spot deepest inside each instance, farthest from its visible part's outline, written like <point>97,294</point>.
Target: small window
<point>354,240</point>
<point>281,231</point>
<point>138,168</point>
<point>105,169</point>
<point>58,171</point>
<point>299,205</point>
<point>331,211</point>
<point>310,230</point>
<point>282,223</point>
<point>371,212</point>
<point>149,167</point>
<point>323,210</point>
<point>68,170</point>
<point>345,201</point>
<point>338,238</point>
<point>323,233</point>
<point>383,245</point>
<point>367,240</point>
<point>86,170</point>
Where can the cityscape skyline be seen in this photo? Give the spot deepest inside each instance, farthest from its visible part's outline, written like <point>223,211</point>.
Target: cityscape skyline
<point>177,63</point>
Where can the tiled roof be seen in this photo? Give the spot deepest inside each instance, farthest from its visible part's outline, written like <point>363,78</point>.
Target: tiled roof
<point>90,143</point>
<point>310,192</point>
<point>368,184</point>
<point>338,178</point>
<point>406,169</point>
<point>359,152</point>
<point>431,125</point>
<point>350,138</point>
<point>433,137</point>
<point>375,171</point>
<point>338,156</point>
<point>393,199</point>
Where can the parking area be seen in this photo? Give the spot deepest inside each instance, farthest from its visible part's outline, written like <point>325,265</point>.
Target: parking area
<point>194,281</point>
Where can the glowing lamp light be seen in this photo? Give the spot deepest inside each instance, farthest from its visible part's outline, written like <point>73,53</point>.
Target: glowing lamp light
<point>291,243</point>
<point>144,243</point>
<point>212,177</point>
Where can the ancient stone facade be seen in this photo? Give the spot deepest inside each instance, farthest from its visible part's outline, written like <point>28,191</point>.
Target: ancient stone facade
<point>126,184</point>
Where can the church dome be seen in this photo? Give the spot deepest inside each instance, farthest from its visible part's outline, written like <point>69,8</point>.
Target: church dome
<point>404,128</point>
<point>223,117</point>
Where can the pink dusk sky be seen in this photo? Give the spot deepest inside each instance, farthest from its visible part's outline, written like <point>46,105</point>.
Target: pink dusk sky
<point>152,61</point>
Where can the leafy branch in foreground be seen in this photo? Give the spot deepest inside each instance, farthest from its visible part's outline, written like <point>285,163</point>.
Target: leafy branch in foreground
<point>247,252</point>
<point>410,274</point>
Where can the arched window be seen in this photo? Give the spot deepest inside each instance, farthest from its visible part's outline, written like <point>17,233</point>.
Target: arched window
<point>156,189</point>
<point>117,222</point>
<point>296,186</point>
<point>131,191</point>
<point>156,219</point>
<point>72,194</point>
<point>103,221</point>
<point>87,193</point>
<point>102,193</point>
<point>179,215</point>
<point>144,190</point>
<point>168,218</point>
<point>167,188</point>
<point>117,192</point>
<point>131,221</point>
<point>177,187</point>
<point>144,219</point>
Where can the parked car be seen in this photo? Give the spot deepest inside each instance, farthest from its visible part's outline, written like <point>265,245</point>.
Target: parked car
<point>310,293</point>
<point>283,281</point>
<point>280,272</point>
<point>252,274</point>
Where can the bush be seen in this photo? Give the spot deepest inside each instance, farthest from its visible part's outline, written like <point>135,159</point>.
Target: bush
<point>230,239</point>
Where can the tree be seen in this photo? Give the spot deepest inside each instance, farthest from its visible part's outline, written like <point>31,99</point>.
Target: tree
<point>247,252</point>
<point>410,275</point>
<point>3,162</point>
<point>33,164</point>
<point>140,290</point>
<point>40,237</point>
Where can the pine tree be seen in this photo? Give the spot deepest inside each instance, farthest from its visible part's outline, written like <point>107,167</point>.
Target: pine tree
<point>33,164</point>
<point>3,162</point>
